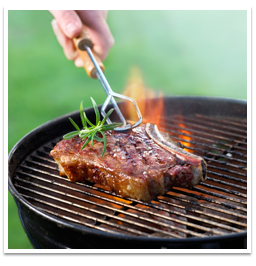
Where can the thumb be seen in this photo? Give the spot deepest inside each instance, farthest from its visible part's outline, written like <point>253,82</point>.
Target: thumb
<point>68,21</point>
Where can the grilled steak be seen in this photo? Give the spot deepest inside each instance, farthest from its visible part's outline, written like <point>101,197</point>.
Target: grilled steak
<point>133,165</point>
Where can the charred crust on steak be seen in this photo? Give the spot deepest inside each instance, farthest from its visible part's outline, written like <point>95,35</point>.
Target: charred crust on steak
<point>133,166</point>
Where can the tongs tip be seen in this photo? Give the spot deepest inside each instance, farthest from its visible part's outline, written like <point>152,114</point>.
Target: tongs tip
<point>127,127</point>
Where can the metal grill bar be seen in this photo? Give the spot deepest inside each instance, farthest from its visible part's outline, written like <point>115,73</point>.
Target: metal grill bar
<point>208,199</point>
<point>228,184</point>
<point>219,195</point>
<point>160,208</point>
<point>207,214</point>
<point>229,171</point>
<point>209,146</point>
<point>204,184</point>
<point>196,211</point>
<point>136,208</point>
<point>97,220</point>
<point>83,223</point>
<point>211,179</point>
<point>215,207</point>
<point>102,213</point>
<point>211,153</point>
<point>170,123</point>
<point>215,147</point>
<point>228,191</point>
<point>221,121</point>
<point>203,144</point>
<point>29,161</point>
<point>207,206</point>
<point>68,210</point>
<point>206,158</point>
<point>204,129</point>
<point>212,126</point>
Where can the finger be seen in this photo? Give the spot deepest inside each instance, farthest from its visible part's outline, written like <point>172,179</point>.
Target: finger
<point>79,62</point>
<point>103,41</point>
<point>66,43</point>
<point>69,50</point>
<point>104,13</point>
<point>99,31</point>
<point>61,37</point>
<point>69,22</point>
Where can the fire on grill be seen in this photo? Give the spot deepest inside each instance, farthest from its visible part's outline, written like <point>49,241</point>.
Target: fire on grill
<point>57,213</point>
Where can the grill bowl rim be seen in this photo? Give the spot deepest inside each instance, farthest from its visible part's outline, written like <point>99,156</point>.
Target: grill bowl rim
<point>65,224</point>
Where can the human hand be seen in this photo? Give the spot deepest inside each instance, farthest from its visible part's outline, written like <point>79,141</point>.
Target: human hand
<point>67,24</point>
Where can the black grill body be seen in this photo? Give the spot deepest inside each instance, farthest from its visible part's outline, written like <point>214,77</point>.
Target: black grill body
<point>224,192</point>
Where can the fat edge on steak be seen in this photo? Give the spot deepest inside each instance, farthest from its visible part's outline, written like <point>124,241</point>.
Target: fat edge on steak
<point>141,164</point>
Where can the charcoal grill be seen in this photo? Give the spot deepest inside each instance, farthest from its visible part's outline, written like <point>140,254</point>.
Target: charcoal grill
<point>56,213</point>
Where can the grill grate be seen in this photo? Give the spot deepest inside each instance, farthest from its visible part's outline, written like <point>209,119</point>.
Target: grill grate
<point>216,207</point>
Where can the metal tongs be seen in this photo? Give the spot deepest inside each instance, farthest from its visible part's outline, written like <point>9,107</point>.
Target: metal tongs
<point>94,68</point>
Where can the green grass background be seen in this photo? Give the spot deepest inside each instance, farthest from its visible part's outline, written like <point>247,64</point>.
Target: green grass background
<point>178,53</point>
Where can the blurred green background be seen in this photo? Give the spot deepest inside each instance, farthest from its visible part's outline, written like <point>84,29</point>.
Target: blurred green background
<point>178,53</point>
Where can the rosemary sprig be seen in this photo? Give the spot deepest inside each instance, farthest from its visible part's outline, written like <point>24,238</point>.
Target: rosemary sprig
<point>91,132</point>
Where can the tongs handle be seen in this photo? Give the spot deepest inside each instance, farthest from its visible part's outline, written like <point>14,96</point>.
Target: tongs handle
<point>80,42</point>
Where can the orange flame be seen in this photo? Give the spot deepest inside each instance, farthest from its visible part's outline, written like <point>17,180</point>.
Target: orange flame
<point>151,111</point>
<point>186,138</point>
<point>135,88</point>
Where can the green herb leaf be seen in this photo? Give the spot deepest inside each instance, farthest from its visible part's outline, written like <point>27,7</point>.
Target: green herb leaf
<point>89,133</point>
<point>87,141</point>
<point>105,143</point>
<point>82,115</point>
<point>71,135</point>
<point>96,110</point>
<point>110,126</point>
<point>83,137</point>
<point>98,139</point>
<point>88,121</point>
<point>107,115</point>
<point>92,137</point>
<point>74,124</point>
